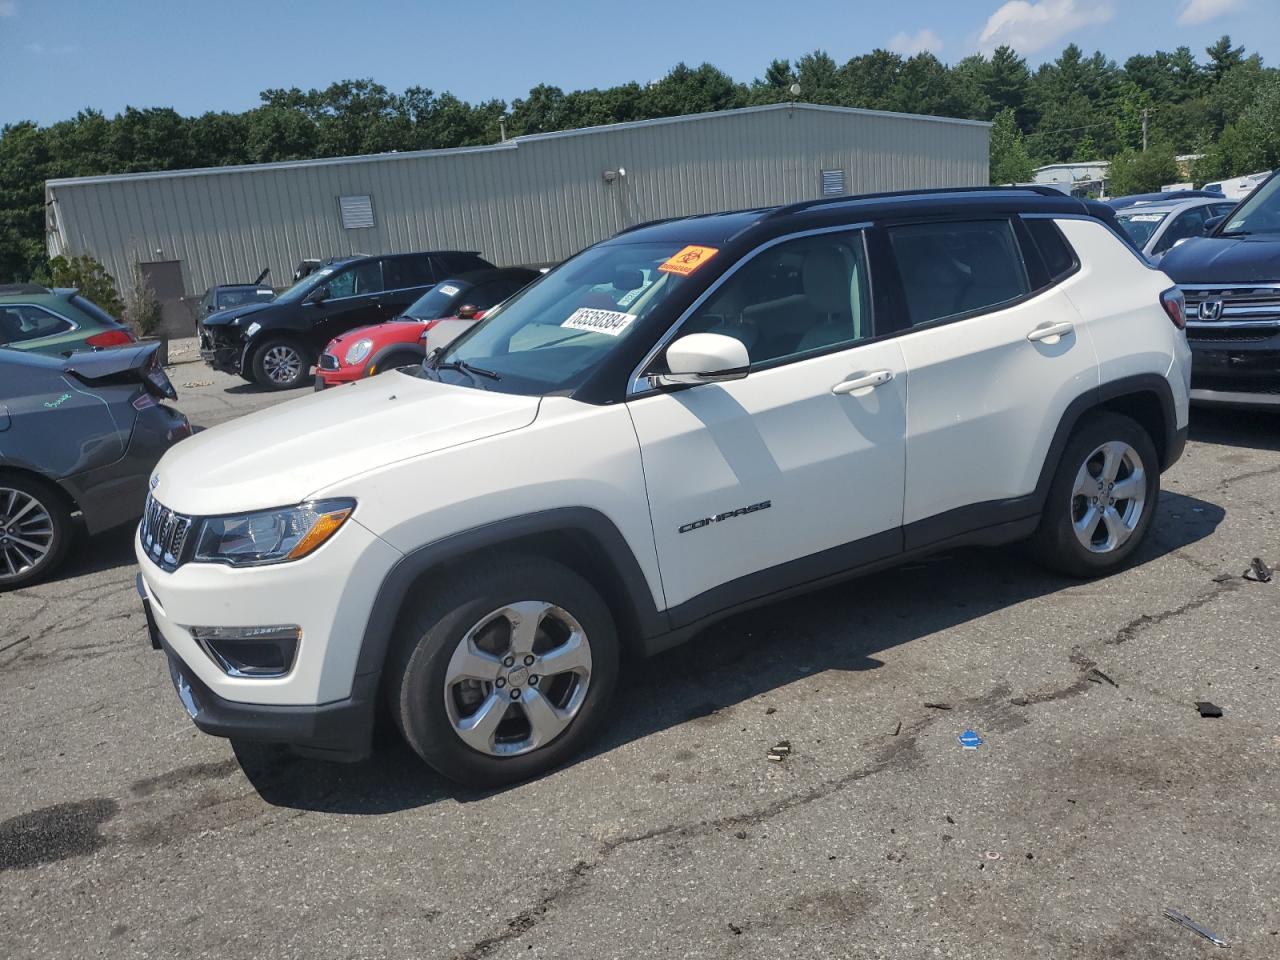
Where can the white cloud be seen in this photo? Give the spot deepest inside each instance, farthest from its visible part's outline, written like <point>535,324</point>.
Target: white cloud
<point>1028,27</point>
<point>8,8</point>
<point>38,49</point>
<point>918,42</point>
<point>1202,11</point>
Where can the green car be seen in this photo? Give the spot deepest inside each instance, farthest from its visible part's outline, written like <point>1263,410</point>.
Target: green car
<point>55,321</point>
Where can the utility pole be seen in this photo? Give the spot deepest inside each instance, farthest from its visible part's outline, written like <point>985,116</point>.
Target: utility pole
<point>1145,112</point>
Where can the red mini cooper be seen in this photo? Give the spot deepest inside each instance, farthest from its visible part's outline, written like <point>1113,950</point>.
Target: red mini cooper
<point>447,309</point>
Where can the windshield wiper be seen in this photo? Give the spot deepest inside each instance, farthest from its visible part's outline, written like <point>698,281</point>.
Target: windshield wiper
<point>464,367</point>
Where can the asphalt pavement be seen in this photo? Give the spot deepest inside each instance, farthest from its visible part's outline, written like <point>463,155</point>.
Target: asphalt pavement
<point>1098,797</point>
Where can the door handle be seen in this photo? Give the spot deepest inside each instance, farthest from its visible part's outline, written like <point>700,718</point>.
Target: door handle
<point>867,381</point>
<point>1051,332</point>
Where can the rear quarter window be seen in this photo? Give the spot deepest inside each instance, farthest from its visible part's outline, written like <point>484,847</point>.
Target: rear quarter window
<point>1059,259</point>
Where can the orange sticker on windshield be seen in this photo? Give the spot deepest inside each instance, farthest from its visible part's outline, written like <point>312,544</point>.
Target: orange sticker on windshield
<point>688,260</point>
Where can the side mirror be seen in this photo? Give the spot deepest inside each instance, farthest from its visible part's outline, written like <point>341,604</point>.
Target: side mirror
<point>319,295</point>
<point>1211,224</point>
<point>468,311</point>
<point>705,358</point>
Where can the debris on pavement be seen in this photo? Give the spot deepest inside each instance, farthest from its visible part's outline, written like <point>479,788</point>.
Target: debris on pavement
<point>1179,917</point>
<point>1208,709</point>
<point>198,383</point>
<point>993,855</point>
<point>780,751</point>
<point>897,729</point>
<point>1097,676</point>
<point>938,706</point>
<point>736,930</point>
<point>1258,571</point>
<point>741,834</point>
<point>1224,578</point>
<point>970,740</point>
<point>769,711</point>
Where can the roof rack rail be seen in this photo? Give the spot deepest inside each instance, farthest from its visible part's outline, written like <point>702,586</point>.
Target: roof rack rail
<point>11,289</point>
<point>1034,189</point>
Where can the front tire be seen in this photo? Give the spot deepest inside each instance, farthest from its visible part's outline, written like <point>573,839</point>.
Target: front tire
<point>281,363</point>
<point>1102,498</point>
<point>35,530</point>
<point>504,671</point>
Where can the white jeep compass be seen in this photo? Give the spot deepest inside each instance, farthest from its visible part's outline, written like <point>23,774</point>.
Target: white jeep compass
<point>690,418</point>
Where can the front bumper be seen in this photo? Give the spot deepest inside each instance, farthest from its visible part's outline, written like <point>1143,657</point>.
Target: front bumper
<point>219,350</point>
<point>341,730</point>
<point>321,707</point>
<point>336,378</point>
<point>114,495</point>
<point>1236,368</point>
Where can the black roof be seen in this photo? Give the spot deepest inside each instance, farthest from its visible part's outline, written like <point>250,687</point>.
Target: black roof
<point>330,261</point>
<point>720,228</point>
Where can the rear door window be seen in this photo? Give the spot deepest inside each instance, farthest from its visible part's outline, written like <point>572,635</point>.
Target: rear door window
<point>957,268</point>
<point>22,322</point>
<point>400,273</point>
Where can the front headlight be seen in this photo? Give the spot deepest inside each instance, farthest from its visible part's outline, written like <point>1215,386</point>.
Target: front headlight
<point>270,536</point>
<point>358,351</point>
<point>252,328</point>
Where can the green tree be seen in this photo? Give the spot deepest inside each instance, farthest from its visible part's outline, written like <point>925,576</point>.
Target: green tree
<point>1138,172</point>
<point>88,276</point>
<point>871,81</point>
<point>1010,162</point>
<point>1222,57</point>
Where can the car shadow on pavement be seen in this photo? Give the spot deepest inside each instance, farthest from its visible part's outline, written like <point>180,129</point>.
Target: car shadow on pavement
<point>841,627</point>
<point>252,389</point>
<point>1256,429</point>
<point>106,551</point>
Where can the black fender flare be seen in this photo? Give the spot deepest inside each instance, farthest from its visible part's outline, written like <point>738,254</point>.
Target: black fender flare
<point>626,575</point>
<point>1170,443</point>
<point>393,348</point>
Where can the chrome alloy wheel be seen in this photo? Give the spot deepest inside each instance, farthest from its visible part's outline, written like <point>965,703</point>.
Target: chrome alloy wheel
<point>517,678</point>
<point>1108,497</point>
<point>282,363</point>
<point>26,532</point>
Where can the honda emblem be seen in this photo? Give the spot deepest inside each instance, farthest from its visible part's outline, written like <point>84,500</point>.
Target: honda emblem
<point>1210,310</point>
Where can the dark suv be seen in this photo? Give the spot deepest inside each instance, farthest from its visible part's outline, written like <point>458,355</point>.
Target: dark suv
<point>276,343</point>
<point>1231,280</point>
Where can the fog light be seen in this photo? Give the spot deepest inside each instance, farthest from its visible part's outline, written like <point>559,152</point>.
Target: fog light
<point>250,651</point>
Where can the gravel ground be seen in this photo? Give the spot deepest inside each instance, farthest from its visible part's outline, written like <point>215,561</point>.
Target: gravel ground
<point>1095,801</point>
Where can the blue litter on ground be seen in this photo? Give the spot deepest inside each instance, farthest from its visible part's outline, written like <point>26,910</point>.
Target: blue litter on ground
<point>970,740</point>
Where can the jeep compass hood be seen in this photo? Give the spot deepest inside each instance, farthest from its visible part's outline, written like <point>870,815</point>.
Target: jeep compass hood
<point>283,454</point>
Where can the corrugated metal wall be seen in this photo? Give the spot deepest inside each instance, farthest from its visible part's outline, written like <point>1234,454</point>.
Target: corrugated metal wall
<point>531,200</point>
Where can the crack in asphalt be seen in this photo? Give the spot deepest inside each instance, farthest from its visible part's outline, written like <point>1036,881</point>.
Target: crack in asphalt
<point>1140,623</point>
<point>570,880</point>
<point>575,877</point>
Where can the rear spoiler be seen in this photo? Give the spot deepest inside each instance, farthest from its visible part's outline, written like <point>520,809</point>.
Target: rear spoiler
<point>122,365</point>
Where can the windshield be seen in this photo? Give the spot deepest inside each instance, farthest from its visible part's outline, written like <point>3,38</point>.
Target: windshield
<point>1259,214</point>
<point>548,337</point>
<point>306,285</point>
<point>238,298</point>
<point>1140,226</point>
<point>437,302</point>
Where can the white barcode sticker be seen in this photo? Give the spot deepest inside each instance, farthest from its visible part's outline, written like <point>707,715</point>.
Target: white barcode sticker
<point>608,322</point>
<point>448,289</point>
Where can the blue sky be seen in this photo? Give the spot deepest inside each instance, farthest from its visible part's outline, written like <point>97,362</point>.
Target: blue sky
<point>58,56</point>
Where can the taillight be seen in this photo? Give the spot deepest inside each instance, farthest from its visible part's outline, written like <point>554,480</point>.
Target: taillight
<point>1175,305</point>
<point>110,338</point>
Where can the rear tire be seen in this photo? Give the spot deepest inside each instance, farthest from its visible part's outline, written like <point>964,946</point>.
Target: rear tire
<point>36,530</point>
<point>1102,499</point>
<point>499,622</point>
<point>281,363</point>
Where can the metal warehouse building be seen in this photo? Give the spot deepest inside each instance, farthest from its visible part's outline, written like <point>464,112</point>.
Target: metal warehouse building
<point>530,200</point>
